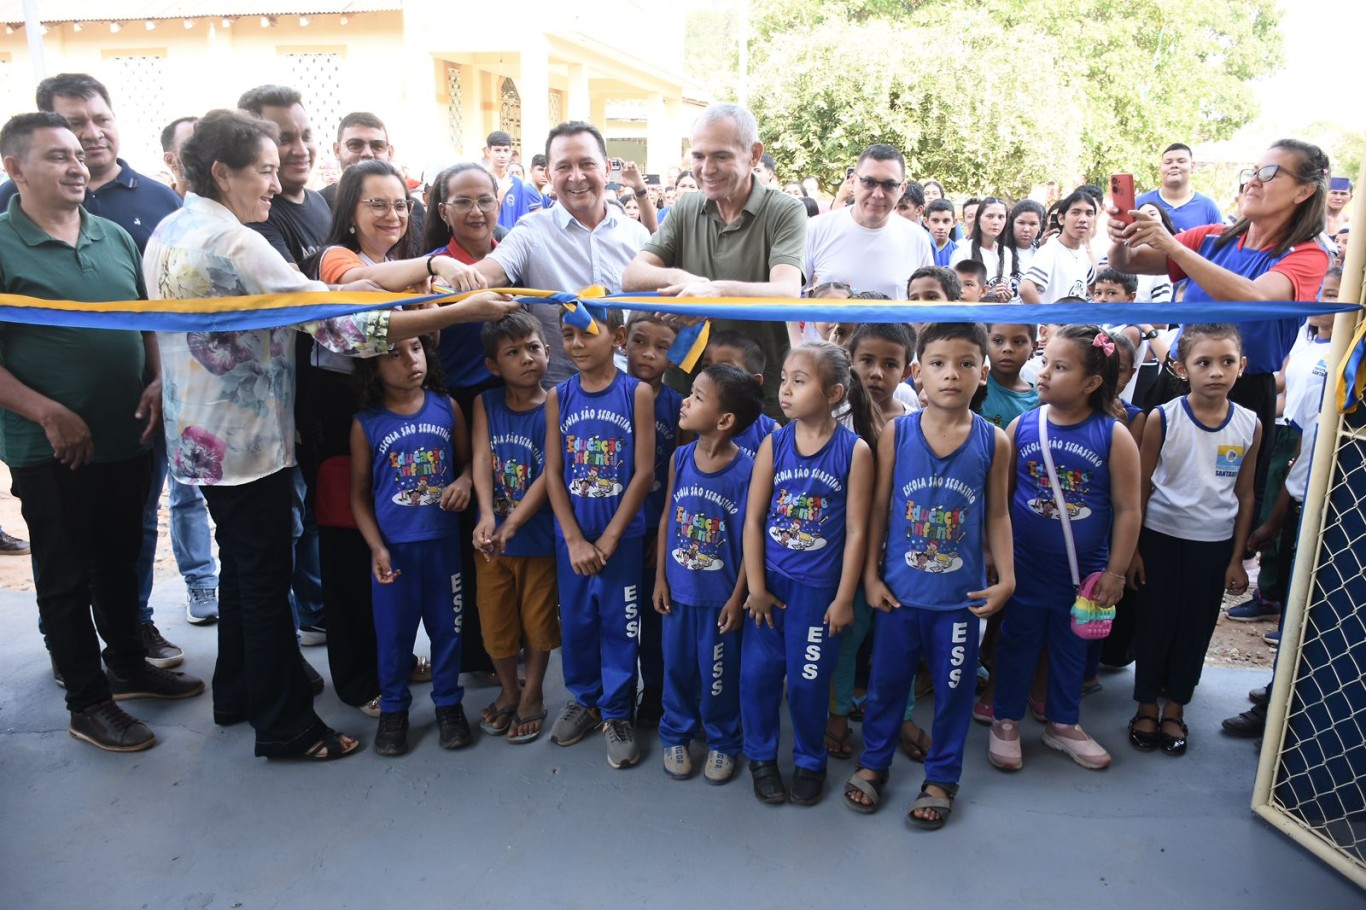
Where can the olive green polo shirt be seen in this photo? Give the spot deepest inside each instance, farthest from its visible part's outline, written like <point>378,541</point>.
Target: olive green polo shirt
<point>770,231</point>
<point>97,373</point>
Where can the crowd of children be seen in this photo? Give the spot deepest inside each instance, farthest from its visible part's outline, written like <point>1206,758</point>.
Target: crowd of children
<point>707,562</point>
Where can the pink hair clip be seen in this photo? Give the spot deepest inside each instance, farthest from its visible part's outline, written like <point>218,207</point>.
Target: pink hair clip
<point>1103,342</point>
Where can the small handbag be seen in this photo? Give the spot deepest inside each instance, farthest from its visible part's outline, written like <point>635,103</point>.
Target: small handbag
<point>1090,620</point>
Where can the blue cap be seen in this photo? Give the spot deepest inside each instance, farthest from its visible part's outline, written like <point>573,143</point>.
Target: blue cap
<point>1340,183</point>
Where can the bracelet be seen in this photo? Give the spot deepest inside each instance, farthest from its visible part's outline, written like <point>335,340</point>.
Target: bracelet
<point>1149,335</point>
<point>1115,575</point>
<point>430,271</point>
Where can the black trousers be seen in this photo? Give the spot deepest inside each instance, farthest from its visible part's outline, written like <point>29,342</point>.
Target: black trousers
<point>85,530</point>
<point>1177,611</point>
<point>259,677</point>
<point>352,649</point>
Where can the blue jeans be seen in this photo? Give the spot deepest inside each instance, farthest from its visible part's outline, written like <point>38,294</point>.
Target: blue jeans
<point>190,539</point>
<point>306,587</point>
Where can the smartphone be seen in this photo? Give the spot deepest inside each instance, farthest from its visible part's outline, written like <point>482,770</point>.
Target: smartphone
<point>848,172</point>
<point>616,165</point>
<point>1122,196</point>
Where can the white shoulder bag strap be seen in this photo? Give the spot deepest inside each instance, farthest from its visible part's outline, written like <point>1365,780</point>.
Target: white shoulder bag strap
<point>1058,498</point>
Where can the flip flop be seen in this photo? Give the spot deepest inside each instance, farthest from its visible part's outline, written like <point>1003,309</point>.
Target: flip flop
<point>916,749</point>
<point>496,721</point>
<point>518,720</point>
<point>840,746</point>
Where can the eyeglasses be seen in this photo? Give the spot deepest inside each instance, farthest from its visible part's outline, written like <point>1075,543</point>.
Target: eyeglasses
<point>1264,174</point>
<point>888,186</point>
<point>463,204</point>
<point>356,146</point>
<point>380,206</point>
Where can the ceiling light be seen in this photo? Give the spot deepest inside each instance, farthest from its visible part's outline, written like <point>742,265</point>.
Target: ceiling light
<point>303,22</point>
<point>115,27</point>
<point>76,27</point>
<point>149,25</point>
<point>189,24</point>
<point>345,21</point>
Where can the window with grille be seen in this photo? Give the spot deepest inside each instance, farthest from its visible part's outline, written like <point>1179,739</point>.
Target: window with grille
<point>510,113</point>
<point>454,111</point>
<point>317,76</point>
<point>135,83</point>
<point>556,107</point>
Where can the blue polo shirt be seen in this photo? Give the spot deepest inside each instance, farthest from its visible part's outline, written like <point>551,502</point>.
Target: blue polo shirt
<point>1199,210</point>
<point>133,202</point>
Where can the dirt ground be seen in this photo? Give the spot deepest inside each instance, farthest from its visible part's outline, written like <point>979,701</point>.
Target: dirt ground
<point>1235,644</point>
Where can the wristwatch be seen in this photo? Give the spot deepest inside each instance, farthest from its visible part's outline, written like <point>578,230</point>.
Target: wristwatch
<point>1149,335</point>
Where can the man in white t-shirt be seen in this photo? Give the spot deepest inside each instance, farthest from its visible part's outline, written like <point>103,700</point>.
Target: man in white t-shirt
<point>1064,267</point>
<point>866,245</point>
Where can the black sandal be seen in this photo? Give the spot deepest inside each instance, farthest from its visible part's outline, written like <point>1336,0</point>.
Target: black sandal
<point>1173,745</point>
<point>807,787</point>
<point>768,782</point>
<point>872,789</point>
<point>328,748</point>
<point>1144,740</point>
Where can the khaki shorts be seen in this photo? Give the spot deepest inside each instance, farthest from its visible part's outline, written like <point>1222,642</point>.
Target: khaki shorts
<point>518,601</point>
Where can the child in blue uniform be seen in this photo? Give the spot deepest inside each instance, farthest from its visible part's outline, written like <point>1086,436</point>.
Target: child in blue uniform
<point>600,459</point>
<point>1198,459</point>
<point>699,584</point>
<point>943,485</point>
<point>744,352</point>
<point>516,592</point>
<point>804,546</point>
<point>648,339</point>
<point>1097,467</point>
<point>410,477</point>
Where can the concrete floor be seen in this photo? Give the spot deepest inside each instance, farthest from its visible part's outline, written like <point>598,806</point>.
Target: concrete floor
<point>198,822</point>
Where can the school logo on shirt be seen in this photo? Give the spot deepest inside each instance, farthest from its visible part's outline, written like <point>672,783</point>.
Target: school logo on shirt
<point>701,538</point>
<point>934,533</point>
<point>595,465</point>
<point>510,485</point>
<point>796,518</point>
<point>1229,461</point>
<point>1074,483</point>
<point>419,474</point>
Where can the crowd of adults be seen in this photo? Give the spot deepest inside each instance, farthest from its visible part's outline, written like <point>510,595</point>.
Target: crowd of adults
<point>256,422</point>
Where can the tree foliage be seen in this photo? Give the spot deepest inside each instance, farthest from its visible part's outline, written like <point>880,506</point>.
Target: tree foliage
<point>1002,94</point>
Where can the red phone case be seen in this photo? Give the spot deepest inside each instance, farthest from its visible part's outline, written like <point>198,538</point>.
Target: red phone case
<point>1122,195</point>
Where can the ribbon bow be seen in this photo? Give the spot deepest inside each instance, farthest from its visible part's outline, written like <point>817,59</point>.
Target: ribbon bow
<point>1103,342</point>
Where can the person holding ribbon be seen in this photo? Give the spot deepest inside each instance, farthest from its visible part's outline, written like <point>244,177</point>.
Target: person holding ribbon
<point>228,406</point>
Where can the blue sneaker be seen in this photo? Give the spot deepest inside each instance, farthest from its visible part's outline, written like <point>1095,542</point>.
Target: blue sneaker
<point>1255,609</point>
<point>1273,638</point>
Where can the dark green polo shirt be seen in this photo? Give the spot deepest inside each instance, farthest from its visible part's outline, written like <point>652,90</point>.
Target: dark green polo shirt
<point>97,373</point>
<point>771,231</point>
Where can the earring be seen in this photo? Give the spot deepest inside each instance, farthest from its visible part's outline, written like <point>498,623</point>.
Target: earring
<point>351,229</point>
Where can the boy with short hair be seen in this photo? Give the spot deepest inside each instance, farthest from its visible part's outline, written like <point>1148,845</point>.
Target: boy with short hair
<point>648,339</point>
<point>939,219</point>
<point>943,480</point>
<point>699,585</point>
<point>1009,348</point>
<point>515,198</point>
<point>933,282</point>
<point>599,465</point>
<point>972,276</point>
<point>1113,286</point>
<point>516,591</point>
<point>744,352</point>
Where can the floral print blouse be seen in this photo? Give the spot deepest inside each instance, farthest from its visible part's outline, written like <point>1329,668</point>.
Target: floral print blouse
<point>228,397</point>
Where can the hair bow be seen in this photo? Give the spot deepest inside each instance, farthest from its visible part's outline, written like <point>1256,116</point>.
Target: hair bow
<point>1103,342</point>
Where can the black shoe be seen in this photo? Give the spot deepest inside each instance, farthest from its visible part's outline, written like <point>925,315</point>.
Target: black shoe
<point>452,728</point>
<point>56,674</point>
<point>107,726</point>
<point>768,782</point>
<point>650,709</point>
<point>152,682</point>
<point>1143,740</point>
<point>160,652</point>
<point>12,546</point>
<point>1260,696</point>
<point>807,787</point>
<point>1173,745</point>
<point>315,679</point>
<point>392,738</point>
<point>1251,723</point>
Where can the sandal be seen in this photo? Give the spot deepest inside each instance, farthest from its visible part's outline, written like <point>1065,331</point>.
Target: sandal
<point>1172,745</point>
<point>869,788</point>
<point>422,670</point>
<point>518,720</point>
<point>841,746</point>
<point>496,721</point>
<point>917,748</point>
<point>1144,740</point>
<point>329,748</point>
<point>768,782</point>
<point>807,787</point>
<point>941,806</point>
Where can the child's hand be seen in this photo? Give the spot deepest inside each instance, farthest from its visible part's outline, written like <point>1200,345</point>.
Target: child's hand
<point>500,537</point>
<point>1110,589</point>
<point>1137,576</point>
<point>732,615</point>
<point>456,495</point>
<point>384,573</point>
<point>759,605</point>
<point>1261,538</point>
<point>585,558</point>
<point>483,537</point>
<point>879,596</point>
<point>839,615</point>
<point>662,604</point>
<point>1235,579</point>
<point>605,546</point>
<point>995,595</point>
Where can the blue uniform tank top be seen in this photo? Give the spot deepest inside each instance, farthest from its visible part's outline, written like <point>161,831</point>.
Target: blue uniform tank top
<point>517,439</point>
<point>412,461</point>
<point>667,405</point>
<point>937,525</point>
<point>706,529</point>
<point>754,435</point>
<point>598,438</point>
<point>804,530</point>
<point>1081,454</point>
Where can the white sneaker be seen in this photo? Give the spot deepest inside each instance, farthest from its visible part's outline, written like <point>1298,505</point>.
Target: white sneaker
<point>677,762</point>
<point>1072,741</point>
<point>720,768</point>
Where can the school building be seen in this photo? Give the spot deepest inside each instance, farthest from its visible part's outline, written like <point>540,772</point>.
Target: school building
<point>441,75</point>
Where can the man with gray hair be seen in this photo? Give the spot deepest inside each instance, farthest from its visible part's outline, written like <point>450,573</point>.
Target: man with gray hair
<point>736,238</point>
